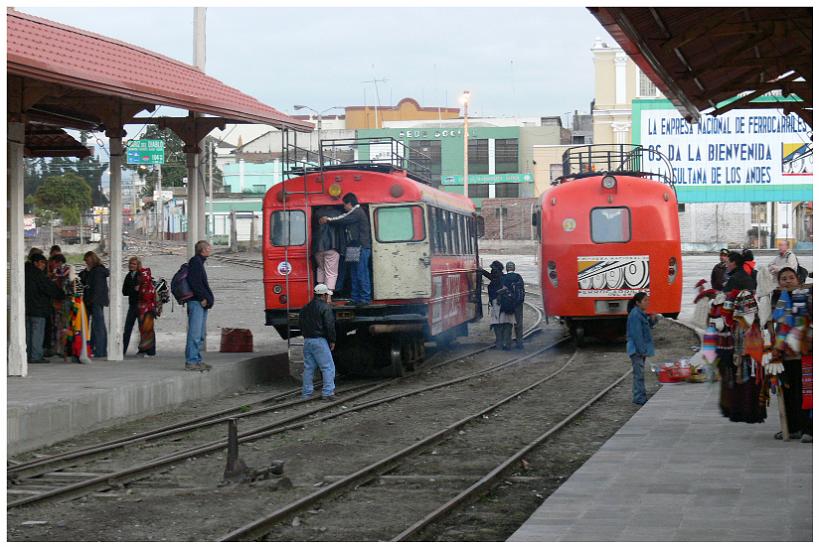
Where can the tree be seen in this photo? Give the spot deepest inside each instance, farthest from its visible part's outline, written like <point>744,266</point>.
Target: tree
<point>67,195</point>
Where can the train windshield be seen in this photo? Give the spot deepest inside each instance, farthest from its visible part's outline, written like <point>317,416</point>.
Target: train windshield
<point>611,225</point>
<point>287,228</point>
<point>400,224</point>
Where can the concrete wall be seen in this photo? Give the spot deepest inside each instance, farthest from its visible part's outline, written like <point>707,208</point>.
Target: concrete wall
<point>517,218</point>
<point>724,224</point>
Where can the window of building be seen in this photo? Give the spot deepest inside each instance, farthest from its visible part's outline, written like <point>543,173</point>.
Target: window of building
<point>681,207</point>
<point>506,156</point>
<point>432,149</point>
<point>287,228</point>
<point>479,159</point>
<point>399,224</point>
<point>760,212</point>
<point>507,190</point>
<point>647,88</point>
<point>610,225</point>
<point>478,190</point>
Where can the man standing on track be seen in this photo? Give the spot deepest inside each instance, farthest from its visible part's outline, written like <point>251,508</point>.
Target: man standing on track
<point>513,281</point>
<point>318,325</point>
<point>198,307</point>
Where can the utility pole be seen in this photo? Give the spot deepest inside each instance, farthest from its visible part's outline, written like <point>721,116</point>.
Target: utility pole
<point>211,225</point>
<point>158,204</point>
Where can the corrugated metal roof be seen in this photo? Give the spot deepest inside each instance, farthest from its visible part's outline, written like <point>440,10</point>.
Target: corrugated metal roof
<point>699,57</point>
<point>52,52</point>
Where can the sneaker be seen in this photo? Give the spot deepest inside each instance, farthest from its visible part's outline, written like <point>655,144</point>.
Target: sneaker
<point>329,398</point>
<point>201,367</point>
<point>806,438</point>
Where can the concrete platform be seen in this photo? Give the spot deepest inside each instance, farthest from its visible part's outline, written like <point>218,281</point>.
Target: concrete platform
<point>60,400</point>
<point>680,471</point>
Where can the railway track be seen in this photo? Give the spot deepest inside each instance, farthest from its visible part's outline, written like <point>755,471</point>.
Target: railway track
<point>77,472</point>
<point>373,490</point>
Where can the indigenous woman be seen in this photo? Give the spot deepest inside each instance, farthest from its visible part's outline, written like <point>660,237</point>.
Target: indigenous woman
<point>62,275</point>
<point>791,328</point>
<point>146,312</point>
<point>639,343</point>
<point>497,318</point>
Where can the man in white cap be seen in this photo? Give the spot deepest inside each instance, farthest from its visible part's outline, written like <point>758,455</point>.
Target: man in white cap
<point>317,321</point>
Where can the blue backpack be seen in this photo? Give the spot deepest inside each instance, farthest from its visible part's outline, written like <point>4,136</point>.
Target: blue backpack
<point>180,287</point>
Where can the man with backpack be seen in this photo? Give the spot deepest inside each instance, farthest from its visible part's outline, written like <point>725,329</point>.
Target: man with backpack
<point>512,301</point>
<point>198,306</point>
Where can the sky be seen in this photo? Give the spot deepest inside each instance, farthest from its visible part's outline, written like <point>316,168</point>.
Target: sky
<point>516,61</point>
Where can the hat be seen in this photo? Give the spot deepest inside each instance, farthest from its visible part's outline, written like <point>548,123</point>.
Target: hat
<point>322,289</point>
<point>724,251</point>
<point>510,266</point>
<point>496,265</point>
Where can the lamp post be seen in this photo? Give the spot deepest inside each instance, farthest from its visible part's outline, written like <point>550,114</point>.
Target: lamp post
<point>465,100</point>
<point>318,121</point>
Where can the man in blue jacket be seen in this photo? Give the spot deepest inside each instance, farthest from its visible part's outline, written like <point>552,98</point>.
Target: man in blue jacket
<point>198,307</point>
<point>639,344</point>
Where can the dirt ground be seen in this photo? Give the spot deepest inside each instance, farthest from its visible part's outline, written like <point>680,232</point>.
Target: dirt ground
<point>188,502</point>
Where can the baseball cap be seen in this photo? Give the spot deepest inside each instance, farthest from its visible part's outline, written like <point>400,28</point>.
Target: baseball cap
<point>724,251</point>
<point>322,289</point>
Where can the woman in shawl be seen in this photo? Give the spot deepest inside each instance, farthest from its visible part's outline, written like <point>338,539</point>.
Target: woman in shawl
<point>146,313</point>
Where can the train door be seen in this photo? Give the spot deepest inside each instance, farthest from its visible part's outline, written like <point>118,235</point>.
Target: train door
<point>401,252</point>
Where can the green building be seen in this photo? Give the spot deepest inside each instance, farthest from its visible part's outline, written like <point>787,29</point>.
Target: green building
<point>498,165</point>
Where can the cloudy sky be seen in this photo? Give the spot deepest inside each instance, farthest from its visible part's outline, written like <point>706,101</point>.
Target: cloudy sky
<point>517,61</point>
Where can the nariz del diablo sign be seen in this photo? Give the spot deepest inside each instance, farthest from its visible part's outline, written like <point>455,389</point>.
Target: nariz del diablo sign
<point>743,147</point>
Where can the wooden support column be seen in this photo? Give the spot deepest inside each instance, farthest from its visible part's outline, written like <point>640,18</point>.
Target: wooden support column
<point>17,365</point>
<point>115,320</point>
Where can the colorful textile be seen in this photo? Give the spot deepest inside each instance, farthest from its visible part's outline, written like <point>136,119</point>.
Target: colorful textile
<point>146,311</point>
<point>807,365</point>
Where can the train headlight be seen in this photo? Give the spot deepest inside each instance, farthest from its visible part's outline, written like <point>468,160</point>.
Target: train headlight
<point>552,273</point>
<point>277,289</point>
<point>283,299</point>
<point>673,270</point>
<point>609,182</point>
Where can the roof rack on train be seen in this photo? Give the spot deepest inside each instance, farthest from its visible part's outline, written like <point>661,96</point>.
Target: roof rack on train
<point>383,154</point>
<point>616,158</point>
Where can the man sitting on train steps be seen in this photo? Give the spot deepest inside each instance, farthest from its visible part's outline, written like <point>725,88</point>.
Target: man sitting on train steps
<point>318,325</point>
<point>515,285</point>
<point>357,251</point>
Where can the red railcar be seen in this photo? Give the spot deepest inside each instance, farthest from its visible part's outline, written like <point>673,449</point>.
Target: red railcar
<point>424,266</point>
<point>608,229</point>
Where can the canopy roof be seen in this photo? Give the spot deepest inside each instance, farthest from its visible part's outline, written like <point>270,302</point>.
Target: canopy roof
<point>700,57</point>
<point>82,68</point>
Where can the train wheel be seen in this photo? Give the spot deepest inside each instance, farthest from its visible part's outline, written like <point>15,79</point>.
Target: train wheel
<point>578,334</point>
<point>397,357</point>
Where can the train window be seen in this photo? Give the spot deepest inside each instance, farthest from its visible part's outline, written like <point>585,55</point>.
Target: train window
<point>448,233</point>
<point>611,225</point>
<point>400,224</point>
<point>465,239</point>
<point>437,231</point>
<point>287,228</point>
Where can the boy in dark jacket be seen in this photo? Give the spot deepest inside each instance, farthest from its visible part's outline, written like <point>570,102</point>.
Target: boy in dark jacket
<point>40,292</point>
<point>513,281</point>
<point>198,307</point>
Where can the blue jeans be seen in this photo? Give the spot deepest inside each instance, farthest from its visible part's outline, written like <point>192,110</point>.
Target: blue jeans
<point>130,319</point>
<point>197,318</point>
<point>99,334</point>
<point>638,385</point>
<point>360,278</point>
<point>35,328</point>
<point>317,353</point>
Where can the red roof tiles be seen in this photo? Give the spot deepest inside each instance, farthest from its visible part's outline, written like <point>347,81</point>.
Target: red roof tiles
<point>48,51</point>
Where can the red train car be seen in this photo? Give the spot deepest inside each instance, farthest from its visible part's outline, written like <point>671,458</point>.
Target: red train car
<point>608,229</point>
<point>424,270</point>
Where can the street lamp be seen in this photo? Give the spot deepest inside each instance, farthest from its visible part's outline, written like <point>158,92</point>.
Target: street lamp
<point>465,100</point>
<point>318,126</point>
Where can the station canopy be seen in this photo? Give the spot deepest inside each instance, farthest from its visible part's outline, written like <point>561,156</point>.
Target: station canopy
<point>701,57</point>
<point>71,78</point>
